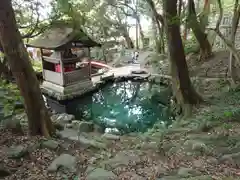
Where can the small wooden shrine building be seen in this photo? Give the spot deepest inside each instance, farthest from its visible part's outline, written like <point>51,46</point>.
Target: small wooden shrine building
<point>61,77</point>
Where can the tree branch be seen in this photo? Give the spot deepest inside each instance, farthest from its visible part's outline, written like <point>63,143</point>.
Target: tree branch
<point>158,16</point>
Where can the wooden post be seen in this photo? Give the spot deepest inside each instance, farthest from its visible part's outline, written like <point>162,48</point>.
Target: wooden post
<point>89,63</point>
<point>43,66</point>
<point>62,68</point>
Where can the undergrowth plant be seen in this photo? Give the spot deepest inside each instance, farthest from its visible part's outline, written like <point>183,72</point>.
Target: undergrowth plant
<point>10,99</point>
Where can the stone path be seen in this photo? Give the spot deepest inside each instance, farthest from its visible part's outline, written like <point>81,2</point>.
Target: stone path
<point>125,71</point>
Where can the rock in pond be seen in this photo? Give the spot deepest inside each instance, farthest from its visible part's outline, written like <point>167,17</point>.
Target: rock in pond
<point>16,152</point>
<point>99,174</point>
<point>64,161</point>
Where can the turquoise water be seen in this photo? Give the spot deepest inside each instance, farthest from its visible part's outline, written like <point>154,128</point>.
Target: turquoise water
<point>127,106</point>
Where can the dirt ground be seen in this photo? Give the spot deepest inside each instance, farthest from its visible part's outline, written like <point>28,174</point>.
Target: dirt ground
<point>183,152</point>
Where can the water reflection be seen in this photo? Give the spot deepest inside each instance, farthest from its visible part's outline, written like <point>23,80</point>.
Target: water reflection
<point>127,106</point>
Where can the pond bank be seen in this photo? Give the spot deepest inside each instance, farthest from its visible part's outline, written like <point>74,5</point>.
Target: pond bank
<point>205,147</point>
<point>131,72</point>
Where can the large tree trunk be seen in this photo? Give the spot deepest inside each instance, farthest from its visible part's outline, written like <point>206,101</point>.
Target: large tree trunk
<point>232,61</point>
<point>18,59</point>
<point>182,88</point>
<point>205,47</point>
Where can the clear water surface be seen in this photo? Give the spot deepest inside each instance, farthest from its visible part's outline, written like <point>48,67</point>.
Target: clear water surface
<point>126,106</point>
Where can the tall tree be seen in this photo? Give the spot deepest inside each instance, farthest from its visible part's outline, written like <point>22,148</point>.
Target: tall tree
<point>18,59</point>
<point>158,19</point>
<point>235,22</point>
<point>201,36</point>
<point>182,88</point>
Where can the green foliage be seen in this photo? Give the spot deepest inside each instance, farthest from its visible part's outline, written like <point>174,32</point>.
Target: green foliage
<point>9,97</point>
<point>191,46</point>
<point>37,65</point>
<point>228,114</point>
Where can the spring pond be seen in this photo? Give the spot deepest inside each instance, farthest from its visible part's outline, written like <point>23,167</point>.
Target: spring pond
<point>124,106</point>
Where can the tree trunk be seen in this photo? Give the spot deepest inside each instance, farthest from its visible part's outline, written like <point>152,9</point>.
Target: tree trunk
<point>232,61</point>
<point>180,4</point>
<point>158,19</point>
<point>155,36</point>
<point>129,42</point>
<point>205,47</point>
<point>204,15</point>
<point>18,59</point>
<point>141,31</point>
<point>182,88</point>
<point>185,24</point>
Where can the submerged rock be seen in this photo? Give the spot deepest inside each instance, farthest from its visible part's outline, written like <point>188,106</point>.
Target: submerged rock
<point>64,161</point>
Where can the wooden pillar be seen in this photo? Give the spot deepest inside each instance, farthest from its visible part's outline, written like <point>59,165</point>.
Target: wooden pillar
<point>89,63</point>
<point>62,68</point>
<point>104,56</point>
<point>43,66</point>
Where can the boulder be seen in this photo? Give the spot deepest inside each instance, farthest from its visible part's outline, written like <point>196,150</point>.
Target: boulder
<point>195,146</point>
<point>140,71</point>
<point>62,118</point>
<point>16,152</point>
<point>187,172</point>
<point>65,161</point>
<point>132,176</point>
<point>111,136</point>
<point>233,158</point>
<point>14,124</point>
<point>50,144</point>
<point>4,172</point>
<point>122,158</point>
<point>90,142</point>
<point>98,129</point>
<point>84,126</point>
<point>99,174</point>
